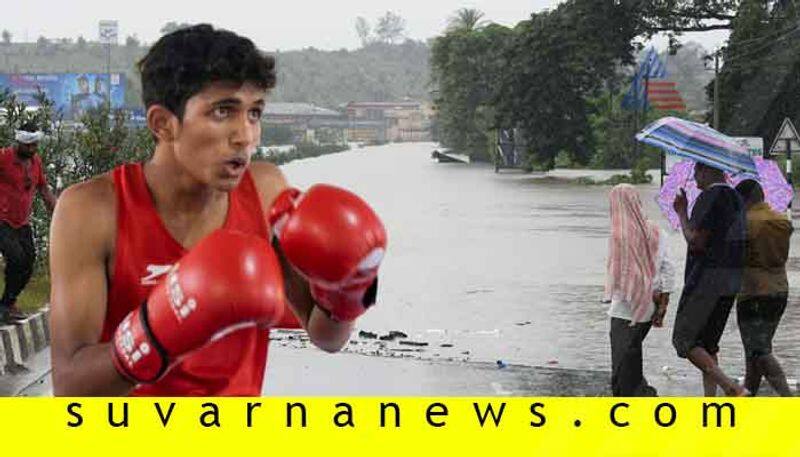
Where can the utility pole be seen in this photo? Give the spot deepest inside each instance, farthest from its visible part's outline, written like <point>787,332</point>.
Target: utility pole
<point>108,31</point>
<point>108,83</point>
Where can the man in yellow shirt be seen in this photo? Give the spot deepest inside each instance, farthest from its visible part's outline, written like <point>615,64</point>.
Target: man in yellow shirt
<point>764,293</point>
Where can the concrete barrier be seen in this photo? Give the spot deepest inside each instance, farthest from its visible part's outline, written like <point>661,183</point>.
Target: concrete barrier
<point>11,345</point>
<point>40,341</point>
<point>21,340</point>
<point>46,322</point>
<point>25,335</point>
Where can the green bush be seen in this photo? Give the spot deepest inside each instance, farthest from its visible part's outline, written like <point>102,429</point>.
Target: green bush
<point>72,152</point>
<point>302,151</point>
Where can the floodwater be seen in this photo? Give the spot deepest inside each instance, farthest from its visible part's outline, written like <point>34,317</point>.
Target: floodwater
<point>485,267</point>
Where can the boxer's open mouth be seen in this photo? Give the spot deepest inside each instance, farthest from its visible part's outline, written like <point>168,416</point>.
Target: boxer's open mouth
<point>235,166</point>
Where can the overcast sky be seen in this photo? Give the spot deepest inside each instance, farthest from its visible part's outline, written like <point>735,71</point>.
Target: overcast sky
<point>283,25</point>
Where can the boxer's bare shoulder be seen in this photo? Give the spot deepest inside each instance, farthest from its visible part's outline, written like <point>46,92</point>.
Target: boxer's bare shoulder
<point>88,210</point>
<point>269,180</point>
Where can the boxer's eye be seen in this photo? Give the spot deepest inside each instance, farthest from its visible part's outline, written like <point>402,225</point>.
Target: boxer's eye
<point>222,112</point>
<point>255,114</point>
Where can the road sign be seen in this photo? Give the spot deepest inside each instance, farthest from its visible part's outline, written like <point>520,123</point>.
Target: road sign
<point>787,138</point>
<point>108,32</point>
<point>753,144</point>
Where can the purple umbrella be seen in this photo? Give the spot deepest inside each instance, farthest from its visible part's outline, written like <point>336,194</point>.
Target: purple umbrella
<point>777,192</point>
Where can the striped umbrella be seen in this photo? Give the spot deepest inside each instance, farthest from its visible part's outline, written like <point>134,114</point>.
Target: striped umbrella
<point>699,143</point>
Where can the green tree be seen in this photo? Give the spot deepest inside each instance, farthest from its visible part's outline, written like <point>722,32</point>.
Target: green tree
<point>364,31</point>
<point>466,19</point>
<point>556,64</point>
<point>391,28</point>
<point>465,69</point>
<point>71,154</point>
<point>758,80</point>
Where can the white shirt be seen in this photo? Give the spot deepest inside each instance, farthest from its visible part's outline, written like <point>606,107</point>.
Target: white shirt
<point>663,281</point>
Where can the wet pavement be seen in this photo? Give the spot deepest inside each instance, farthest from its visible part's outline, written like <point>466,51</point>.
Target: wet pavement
<point>295,369</point>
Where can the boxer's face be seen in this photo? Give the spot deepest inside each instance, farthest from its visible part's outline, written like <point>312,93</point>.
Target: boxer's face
<point>220,130</point>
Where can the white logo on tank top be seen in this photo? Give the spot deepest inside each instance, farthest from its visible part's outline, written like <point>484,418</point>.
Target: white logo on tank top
<point>154,273</point>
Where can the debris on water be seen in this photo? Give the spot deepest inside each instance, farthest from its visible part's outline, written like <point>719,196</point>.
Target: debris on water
<point>523,323</point>
<point>368,335</point>
<point>552,362</point>
<point>446,345</point>
<point>388,337</point>
<point>501,364</point>
<point>465,353</point>
<point>405,350</point>
<point>666,370</point>
<point>479,291</point>
<point>414,343</point>
<point>397,334</point>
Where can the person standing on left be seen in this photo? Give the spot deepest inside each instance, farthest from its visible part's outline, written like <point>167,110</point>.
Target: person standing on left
<point>21,176</point>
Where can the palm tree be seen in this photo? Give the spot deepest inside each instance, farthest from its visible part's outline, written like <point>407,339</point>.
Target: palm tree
<point>467,19</point>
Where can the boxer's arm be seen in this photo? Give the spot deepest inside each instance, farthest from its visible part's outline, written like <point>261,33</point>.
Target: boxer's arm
<point>81,234</point>
<point>326,333</point>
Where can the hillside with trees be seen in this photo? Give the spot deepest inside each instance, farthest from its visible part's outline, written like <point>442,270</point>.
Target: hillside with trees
<point>387,66</point>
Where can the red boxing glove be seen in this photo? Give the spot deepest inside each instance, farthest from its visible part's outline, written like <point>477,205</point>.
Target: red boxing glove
<point>335,240</point>
<point>229,280</point>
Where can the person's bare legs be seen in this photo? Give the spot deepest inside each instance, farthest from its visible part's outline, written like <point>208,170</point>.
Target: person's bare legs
<point>752,376</point>
<point>709,385</point>
<point>772,370</point>
<point>712,374</point>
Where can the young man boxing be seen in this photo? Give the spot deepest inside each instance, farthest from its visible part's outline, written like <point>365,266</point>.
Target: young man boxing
<point>163,281</point>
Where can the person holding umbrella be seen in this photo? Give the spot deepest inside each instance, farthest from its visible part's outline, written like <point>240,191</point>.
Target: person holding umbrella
<point>764,293</point>
<point>715,237</point>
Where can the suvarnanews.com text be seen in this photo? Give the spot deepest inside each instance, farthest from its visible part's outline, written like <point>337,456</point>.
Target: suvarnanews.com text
<point>387,414</point>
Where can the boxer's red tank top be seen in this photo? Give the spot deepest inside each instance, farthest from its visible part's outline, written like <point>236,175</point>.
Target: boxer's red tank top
<point>232,365</point>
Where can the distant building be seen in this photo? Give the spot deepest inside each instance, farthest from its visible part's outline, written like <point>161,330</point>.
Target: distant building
<point>299,115</point>
<point>388,121</point>
<point>305,120</point>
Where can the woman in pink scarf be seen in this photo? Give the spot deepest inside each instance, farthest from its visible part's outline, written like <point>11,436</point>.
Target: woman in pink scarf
<point>639,277</point>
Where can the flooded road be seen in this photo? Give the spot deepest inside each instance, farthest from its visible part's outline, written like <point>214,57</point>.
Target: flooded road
<point>486,267</point>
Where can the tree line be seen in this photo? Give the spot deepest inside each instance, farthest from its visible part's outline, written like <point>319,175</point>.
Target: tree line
<point>559,76</point>
<point>388,65</point>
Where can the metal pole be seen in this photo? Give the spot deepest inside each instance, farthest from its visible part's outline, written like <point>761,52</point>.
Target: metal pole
<point>789,172</point>
<point>788,160</point>
<point>716,89</point>
<point>108,71</point>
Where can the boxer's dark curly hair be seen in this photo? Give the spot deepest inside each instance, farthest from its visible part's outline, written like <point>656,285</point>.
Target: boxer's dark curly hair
<point>184,62</point>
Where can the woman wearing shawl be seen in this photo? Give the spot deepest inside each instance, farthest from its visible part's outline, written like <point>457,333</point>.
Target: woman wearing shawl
<point>639,277</point>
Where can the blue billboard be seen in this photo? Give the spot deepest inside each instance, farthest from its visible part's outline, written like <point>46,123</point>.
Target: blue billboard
<point>72,93</point>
